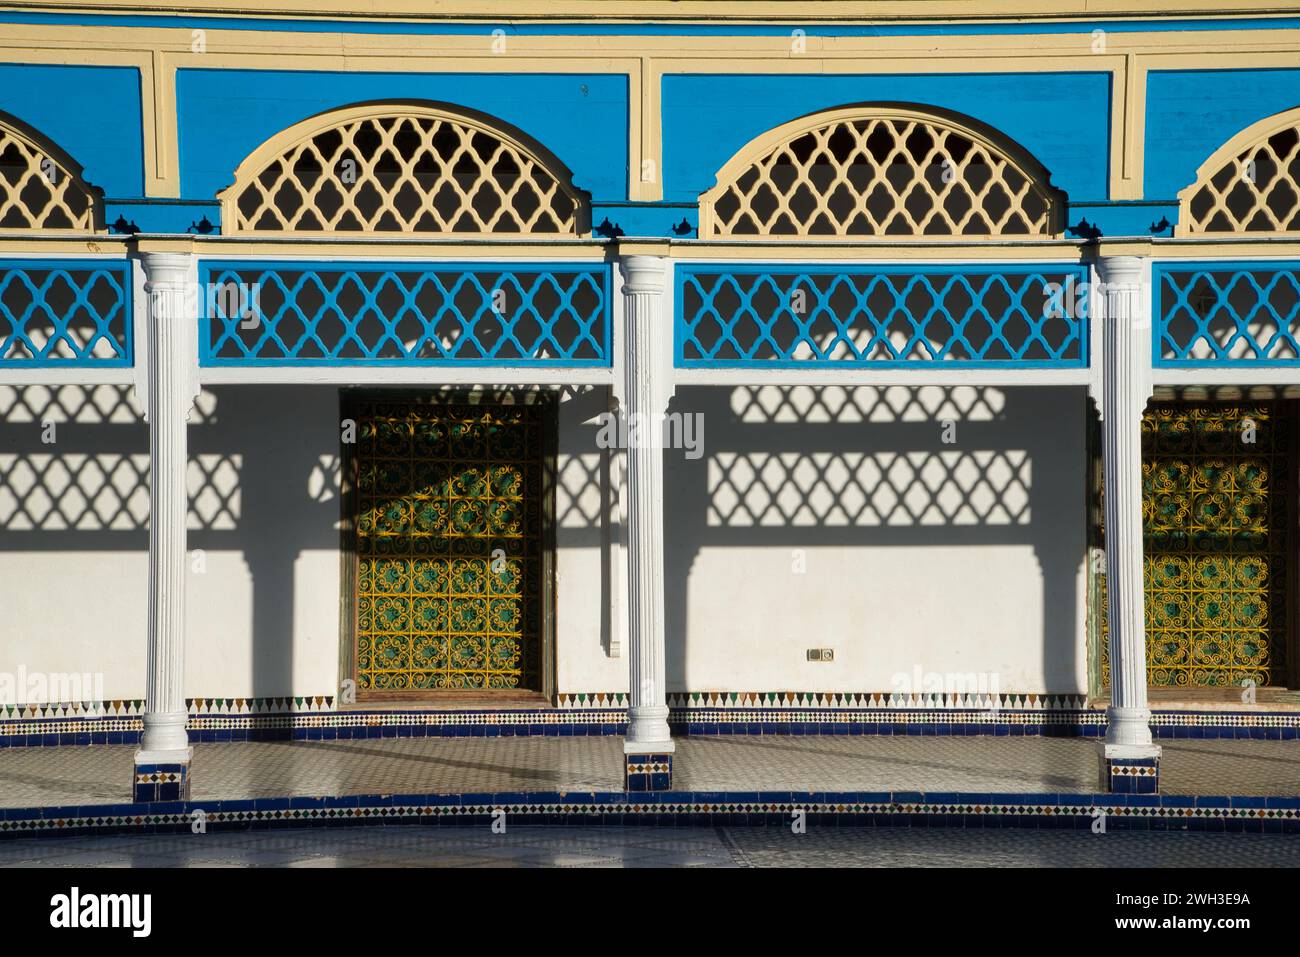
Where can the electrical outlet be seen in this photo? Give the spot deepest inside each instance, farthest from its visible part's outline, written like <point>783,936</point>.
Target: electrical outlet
<point>821,654</point>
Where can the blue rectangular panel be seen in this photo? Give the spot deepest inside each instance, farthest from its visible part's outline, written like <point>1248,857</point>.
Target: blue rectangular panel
<point>483,314</point>
<point>1226,314</point>
<point>65,313</point>
<point>1020,316</point>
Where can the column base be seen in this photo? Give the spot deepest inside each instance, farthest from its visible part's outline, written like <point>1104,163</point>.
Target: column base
<point>1129,769</point>
<point>648,772</point>
<point>162,776</point>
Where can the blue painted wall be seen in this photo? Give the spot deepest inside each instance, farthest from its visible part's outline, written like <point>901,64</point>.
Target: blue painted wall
<point>1063,119</point>
<point>90,112</point>
<point>225,114</point>
<point>1191,113</point>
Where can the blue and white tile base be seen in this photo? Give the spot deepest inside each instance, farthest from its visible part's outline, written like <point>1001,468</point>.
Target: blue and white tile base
<point>1131,775</point>
<point>648,772</point>
<point>1257,815</point>
<point>161,782</point>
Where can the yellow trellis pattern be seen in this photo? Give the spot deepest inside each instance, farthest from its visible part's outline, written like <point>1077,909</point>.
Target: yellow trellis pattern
<point>406,169</point>
<point>1216,493</point>
<point>878,171</point>
<point>38,190</point>
<point>1250,185</point>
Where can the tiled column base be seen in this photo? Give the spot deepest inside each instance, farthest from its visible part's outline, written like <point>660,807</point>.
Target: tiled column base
<point>161,782</point>
<point>1130,775</point>
<point>648,772</point>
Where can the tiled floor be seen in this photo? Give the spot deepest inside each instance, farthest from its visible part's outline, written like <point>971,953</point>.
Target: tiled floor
<point>657,847</point>
<point>63,776</point>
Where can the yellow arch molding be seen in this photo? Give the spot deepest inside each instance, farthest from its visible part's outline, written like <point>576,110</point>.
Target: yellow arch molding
<point>1227,173</point>
<point>1032,206</point>
<point>454,191</point>
<point>41,186</point>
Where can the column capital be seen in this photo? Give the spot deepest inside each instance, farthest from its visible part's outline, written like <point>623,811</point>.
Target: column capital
<point>1122,270</point>
<point>644,274</point>
<point>165,268</point>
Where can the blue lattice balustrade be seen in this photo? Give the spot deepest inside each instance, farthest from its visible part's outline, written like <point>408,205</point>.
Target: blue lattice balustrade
<point>65,314</point>
<point>267,314</point>
<point>1030,316</point>
<point>1226,314</point>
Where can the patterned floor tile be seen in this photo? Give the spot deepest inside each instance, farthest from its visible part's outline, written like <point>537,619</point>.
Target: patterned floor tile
<point>70,776</point>
<point>684,847</point>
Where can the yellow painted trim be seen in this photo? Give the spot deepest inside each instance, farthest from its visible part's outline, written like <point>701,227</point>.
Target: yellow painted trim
<point>274,149</point>
<point>273,247</point>
<point>676,10</point>
<point>164,178</point>
<point>907,250</point>
<point>50,244</point>
<point>1276,246</point>
<point>1048,250</point>
<point>1132,164</point>
<point>166,244</point>
<point>1240,142</point>
<point>645,163</point>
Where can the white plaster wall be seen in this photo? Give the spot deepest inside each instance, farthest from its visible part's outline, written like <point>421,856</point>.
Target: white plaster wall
<point>73,568</point>
<point>583,534</point>
<point>837,519</point>
<point>842,519</point>
<point>263,576</point>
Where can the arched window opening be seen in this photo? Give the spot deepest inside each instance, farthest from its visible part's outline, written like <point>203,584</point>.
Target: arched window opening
<point>40,187</point>
<point>1251,184</point>
<point>395,170</point>
<point>878,171</point>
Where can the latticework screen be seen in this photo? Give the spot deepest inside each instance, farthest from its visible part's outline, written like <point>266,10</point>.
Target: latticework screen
<point>37,191</point>
<point>1256,191</point>
<point>336,314</point>
<point>64,313</point>
<point>413,171</point>
<point>1227,314</point>
<point>891,174</point>
<point>791,316</point>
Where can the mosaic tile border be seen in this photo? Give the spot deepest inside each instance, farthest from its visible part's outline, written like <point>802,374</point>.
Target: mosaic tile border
<point>1257,815</point>
<point>584,701</point>
<point>332,725</point>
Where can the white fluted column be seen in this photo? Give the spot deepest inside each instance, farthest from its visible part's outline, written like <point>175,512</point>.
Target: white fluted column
<point>1126,386</point>
<point>171,357</point>
<point>645,397</point>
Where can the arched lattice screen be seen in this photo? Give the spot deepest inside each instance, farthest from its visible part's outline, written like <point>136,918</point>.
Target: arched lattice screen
<point>1251,185</point>
<point>878,171</point>
<point>400,169</point>
<point>39,188</point>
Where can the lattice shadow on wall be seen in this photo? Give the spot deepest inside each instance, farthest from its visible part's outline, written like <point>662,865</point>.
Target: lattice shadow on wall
<point>795,468</point>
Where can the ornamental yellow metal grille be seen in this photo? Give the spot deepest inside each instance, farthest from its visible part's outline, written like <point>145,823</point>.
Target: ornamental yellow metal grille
<point>1217,483</point>
<point>449,546</point>
<point>1254,190</point>
<point>886,172</point>
<point>384,170</point>
<point>37,191</point>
